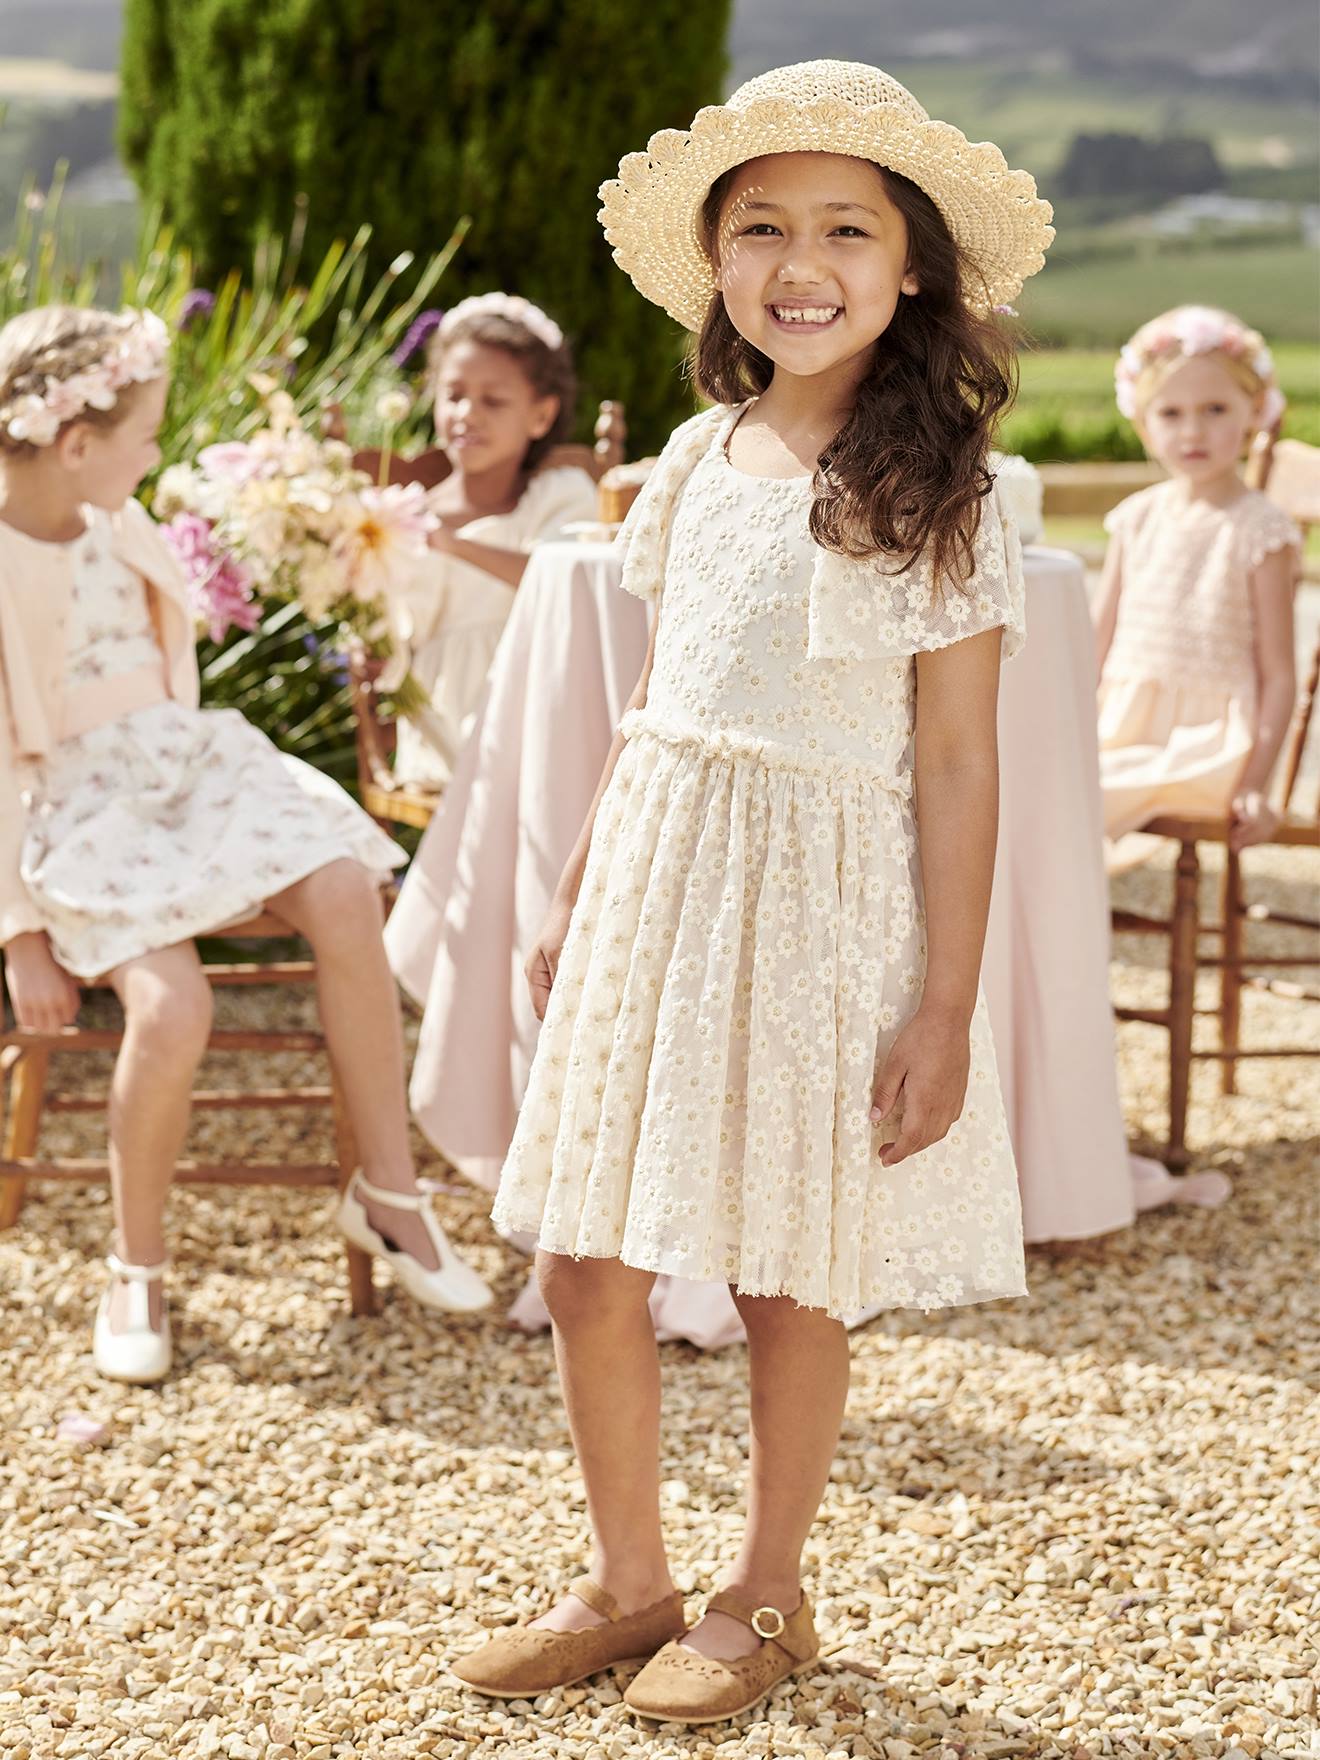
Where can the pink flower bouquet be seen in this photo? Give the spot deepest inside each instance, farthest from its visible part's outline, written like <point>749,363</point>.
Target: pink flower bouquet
<point>286,517</point>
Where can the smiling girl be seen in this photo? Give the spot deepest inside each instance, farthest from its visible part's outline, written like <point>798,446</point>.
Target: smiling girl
<point>504,395</point>
<point>764,1057</point>
<point>1194,615</point>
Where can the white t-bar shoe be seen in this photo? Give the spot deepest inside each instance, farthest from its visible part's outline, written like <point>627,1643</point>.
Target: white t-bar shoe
<point>453,1285</point>
<point>139,1353</point>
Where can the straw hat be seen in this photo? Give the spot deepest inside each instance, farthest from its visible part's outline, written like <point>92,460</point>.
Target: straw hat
<point>652,210</point>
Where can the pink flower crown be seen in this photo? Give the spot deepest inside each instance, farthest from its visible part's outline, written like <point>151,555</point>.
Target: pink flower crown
<point>133,355</point>
<point>1191,330</point>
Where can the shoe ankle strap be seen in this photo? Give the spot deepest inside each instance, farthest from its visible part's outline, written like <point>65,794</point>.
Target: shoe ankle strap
<point>136,1273</point>
<point>379,1194</point>
<point>769,1624</point>
<point>597,1599</point>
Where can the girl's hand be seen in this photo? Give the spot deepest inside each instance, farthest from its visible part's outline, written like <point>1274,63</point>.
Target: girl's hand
<point>44,996</point>
<point>925,1076</point>
<point>1253,819</point>
<point>442,539</point>
<point>543,961</point>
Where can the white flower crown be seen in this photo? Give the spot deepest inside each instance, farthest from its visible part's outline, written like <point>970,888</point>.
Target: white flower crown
<point>505,305</point>
<point>133,355</point>
<point>1190,330</point>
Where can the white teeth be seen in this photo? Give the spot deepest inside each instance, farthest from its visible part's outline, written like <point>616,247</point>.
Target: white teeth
<point>806,314</point>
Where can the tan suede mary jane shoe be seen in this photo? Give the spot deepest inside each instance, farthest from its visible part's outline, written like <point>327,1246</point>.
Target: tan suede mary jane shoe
<point>527,1660</point>
<point>680,1685</point>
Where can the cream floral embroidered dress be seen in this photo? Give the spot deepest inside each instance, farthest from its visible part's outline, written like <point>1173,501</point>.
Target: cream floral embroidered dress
<point>169,821</point>
<point>748,938</point>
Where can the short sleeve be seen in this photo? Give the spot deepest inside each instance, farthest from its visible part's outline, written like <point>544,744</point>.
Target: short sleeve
<point>555,499</point>
<point>1268,529</point>
<point>639,543</point>
<point>1121,521</point>
<point>642,542</point>
<point>861,610</point>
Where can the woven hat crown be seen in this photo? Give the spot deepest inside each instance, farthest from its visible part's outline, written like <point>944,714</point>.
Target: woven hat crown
<point>848,82</point>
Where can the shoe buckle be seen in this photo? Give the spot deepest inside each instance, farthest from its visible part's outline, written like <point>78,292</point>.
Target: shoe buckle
<point>776,1625</point>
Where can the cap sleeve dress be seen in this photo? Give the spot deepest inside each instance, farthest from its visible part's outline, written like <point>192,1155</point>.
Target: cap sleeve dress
<point>1177,700</point>
<point>749,938</point>
<point>457,614</point>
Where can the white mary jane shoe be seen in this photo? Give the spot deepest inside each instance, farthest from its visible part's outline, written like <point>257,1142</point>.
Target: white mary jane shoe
<point>454,1286</point>
<point>139,1353</point>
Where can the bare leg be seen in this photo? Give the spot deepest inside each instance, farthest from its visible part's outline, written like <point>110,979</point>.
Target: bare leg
<point>799,1373</point>
<point>609,1370</point>
<point>167,1019</point>
<point>337,909</point>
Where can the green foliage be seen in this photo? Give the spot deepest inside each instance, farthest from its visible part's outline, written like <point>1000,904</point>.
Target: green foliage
<point>1099,303</point>
<point>282,678</point>
<point>1065,409</point>
<point>513,111</point>
<point>1115,162</point>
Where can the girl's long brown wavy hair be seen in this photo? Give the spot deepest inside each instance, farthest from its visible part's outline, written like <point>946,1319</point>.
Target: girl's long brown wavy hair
<point>906,473</point>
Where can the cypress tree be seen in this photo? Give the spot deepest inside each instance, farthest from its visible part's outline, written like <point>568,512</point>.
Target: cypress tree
<point>240,117</point>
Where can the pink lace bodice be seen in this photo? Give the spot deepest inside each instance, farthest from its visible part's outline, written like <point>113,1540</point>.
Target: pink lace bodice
<point>1185,611</point>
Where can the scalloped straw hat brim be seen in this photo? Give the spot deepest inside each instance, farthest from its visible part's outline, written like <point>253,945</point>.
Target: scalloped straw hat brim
<point>652,211</point>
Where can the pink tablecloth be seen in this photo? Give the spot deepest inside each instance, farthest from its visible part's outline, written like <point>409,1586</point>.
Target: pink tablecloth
<point>476,894</point>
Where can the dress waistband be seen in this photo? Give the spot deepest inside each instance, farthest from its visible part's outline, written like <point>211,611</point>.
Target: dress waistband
<point>801,761</point>
<point>92,705</point>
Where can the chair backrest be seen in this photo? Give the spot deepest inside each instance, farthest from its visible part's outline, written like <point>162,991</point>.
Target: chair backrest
<point>1288,471</point>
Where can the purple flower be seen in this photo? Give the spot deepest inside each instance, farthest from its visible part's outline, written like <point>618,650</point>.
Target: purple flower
<point>419,333</point>
<point>199,303</point>
<point>219,586</point>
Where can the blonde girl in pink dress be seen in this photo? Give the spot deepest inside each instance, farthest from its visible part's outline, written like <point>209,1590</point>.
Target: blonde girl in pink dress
<point>1194,616</point>
<point>131,820</point>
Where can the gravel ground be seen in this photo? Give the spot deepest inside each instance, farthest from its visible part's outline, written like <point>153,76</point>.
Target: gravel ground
<point>1079,1525</point>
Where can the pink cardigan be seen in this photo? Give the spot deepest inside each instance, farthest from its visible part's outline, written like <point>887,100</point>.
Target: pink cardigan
<point>36,585</point>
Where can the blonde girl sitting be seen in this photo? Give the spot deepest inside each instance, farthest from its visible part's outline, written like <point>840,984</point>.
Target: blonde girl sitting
<point>131,820</point>
<point>504,390</point>
<point>1194,617</point>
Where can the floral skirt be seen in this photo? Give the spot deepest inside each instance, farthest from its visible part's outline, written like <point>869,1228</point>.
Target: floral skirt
<point>171,822</point>
<point>747,942</point>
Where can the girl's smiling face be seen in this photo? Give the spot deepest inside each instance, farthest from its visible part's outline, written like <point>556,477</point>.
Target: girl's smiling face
<point>811,257</point>
<point>1199,420</point>
<point>487,411</point>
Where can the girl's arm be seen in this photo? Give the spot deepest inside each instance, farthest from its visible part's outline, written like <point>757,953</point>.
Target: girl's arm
<point>1276,687</point>
<point>543,960</point>
<point>44,996</point>
<point>1104,612</point>
<point>957,804</point>
<point>505,565</point>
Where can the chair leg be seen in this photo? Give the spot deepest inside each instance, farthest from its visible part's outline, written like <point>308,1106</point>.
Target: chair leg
<point>1182,997</point>
<point>27,1091</point>
<point>1230,983</point>
<point>361,1289</point>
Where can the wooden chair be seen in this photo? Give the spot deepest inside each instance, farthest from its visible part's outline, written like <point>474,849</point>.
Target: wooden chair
<point>25,1100</point>
<point>390,800</point>
<point>1289,471</point>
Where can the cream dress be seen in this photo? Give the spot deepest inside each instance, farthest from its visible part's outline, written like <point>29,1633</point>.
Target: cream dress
<point>747,942</point>
<point>455,614</point>
<point>170,821</point>
<point>1178,690</point>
